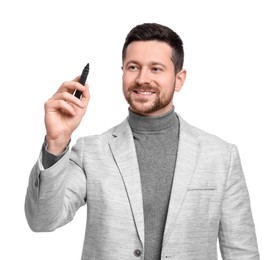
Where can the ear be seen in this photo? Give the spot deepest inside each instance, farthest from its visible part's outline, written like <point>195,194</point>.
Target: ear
<point>179,79</point>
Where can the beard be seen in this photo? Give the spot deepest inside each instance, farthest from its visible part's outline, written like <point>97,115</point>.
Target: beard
<point>147,105</point>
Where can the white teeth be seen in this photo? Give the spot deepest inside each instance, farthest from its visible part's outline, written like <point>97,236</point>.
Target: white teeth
<point>145,92</point>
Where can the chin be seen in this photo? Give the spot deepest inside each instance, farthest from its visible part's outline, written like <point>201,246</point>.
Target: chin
<point>145,110</point>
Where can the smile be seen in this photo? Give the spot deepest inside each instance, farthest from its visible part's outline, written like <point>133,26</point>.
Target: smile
<point>144,92</point>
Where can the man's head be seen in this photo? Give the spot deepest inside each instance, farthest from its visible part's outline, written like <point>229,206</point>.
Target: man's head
<point>157,32</point>
<point>152,59</point>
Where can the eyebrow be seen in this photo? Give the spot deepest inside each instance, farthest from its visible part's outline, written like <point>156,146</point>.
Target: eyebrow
<point>152,63</point>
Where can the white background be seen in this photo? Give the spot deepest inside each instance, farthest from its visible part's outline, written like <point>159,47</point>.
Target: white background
<point>232,60</point>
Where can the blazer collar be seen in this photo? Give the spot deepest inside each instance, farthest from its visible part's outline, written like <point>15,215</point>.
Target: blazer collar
<point>187,158</point>
<point>123,149</point>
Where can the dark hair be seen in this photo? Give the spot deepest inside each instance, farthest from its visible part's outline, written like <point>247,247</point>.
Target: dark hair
<point>154,31</point>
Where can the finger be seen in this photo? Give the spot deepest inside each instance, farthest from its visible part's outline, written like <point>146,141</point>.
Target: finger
<point>85,95</point>
<point>76,79</point>
<point>53,105</point>
<point>69,98</point>
<point>70,87</point>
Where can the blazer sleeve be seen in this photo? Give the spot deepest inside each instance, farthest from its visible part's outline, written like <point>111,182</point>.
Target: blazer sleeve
<point>237,237</point>
<point>54,194</point>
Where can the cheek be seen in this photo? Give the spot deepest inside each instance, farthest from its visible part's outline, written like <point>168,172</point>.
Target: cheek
<point>127,79</point>
<point>124,81</point>
<point>167,86</point>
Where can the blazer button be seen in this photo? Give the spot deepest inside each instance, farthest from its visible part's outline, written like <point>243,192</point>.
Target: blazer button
<point>36,183</point>
<point>137,253</point>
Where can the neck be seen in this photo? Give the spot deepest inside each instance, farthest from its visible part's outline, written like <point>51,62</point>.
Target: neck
<point>152,123</point>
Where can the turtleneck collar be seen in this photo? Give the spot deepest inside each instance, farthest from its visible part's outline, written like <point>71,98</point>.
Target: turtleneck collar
<point>140,122</point>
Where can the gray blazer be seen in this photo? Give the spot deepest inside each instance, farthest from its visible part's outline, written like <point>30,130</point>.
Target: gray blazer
<point>209,198</point>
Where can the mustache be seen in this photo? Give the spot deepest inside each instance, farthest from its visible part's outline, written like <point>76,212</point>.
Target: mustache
<point>144,88</point>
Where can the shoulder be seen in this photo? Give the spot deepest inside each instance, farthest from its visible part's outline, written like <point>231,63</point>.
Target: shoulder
<point>201,134</point>
<point>208,141</point>
<point>214,152</point>
<point>106,136</point>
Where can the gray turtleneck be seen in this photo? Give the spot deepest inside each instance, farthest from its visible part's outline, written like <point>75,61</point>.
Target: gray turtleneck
<point>156,142</point>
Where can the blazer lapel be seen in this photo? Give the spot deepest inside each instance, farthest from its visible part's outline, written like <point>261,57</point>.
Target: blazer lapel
<point>187,157</point>
<point>123,149</point>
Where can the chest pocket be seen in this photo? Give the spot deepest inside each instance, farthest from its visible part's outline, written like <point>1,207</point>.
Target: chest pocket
<point>198,200</point>
<point>202,190</point>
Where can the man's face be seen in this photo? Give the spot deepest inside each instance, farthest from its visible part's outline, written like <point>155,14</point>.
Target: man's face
<point>149,78</point>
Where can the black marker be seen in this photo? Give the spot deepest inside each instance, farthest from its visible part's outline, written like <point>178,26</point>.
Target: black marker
<point>82,80</point>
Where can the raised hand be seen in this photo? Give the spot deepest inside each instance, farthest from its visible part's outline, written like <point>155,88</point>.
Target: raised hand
<point>63,114</point>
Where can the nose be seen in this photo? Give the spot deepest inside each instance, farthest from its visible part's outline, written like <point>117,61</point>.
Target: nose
<point>143,77</point>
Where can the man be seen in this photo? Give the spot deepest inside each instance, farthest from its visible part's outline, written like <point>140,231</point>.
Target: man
<point>155,186</point>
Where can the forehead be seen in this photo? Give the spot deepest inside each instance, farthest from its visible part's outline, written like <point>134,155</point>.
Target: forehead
<point>148,51</point>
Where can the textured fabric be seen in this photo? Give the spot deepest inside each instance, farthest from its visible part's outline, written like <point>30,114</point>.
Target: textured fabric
<point>156,141</point>
<point>209,198</point>
<point>49,159</point>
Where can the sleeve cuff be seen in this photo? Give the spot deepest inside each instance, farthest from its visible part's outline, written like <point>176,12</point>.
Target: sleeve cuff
<point>47,159</point>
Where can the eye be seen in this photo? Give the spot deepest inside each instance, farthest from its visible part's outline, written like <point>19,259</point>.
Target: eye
<point>132,67</point>
<point>156,69</point>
